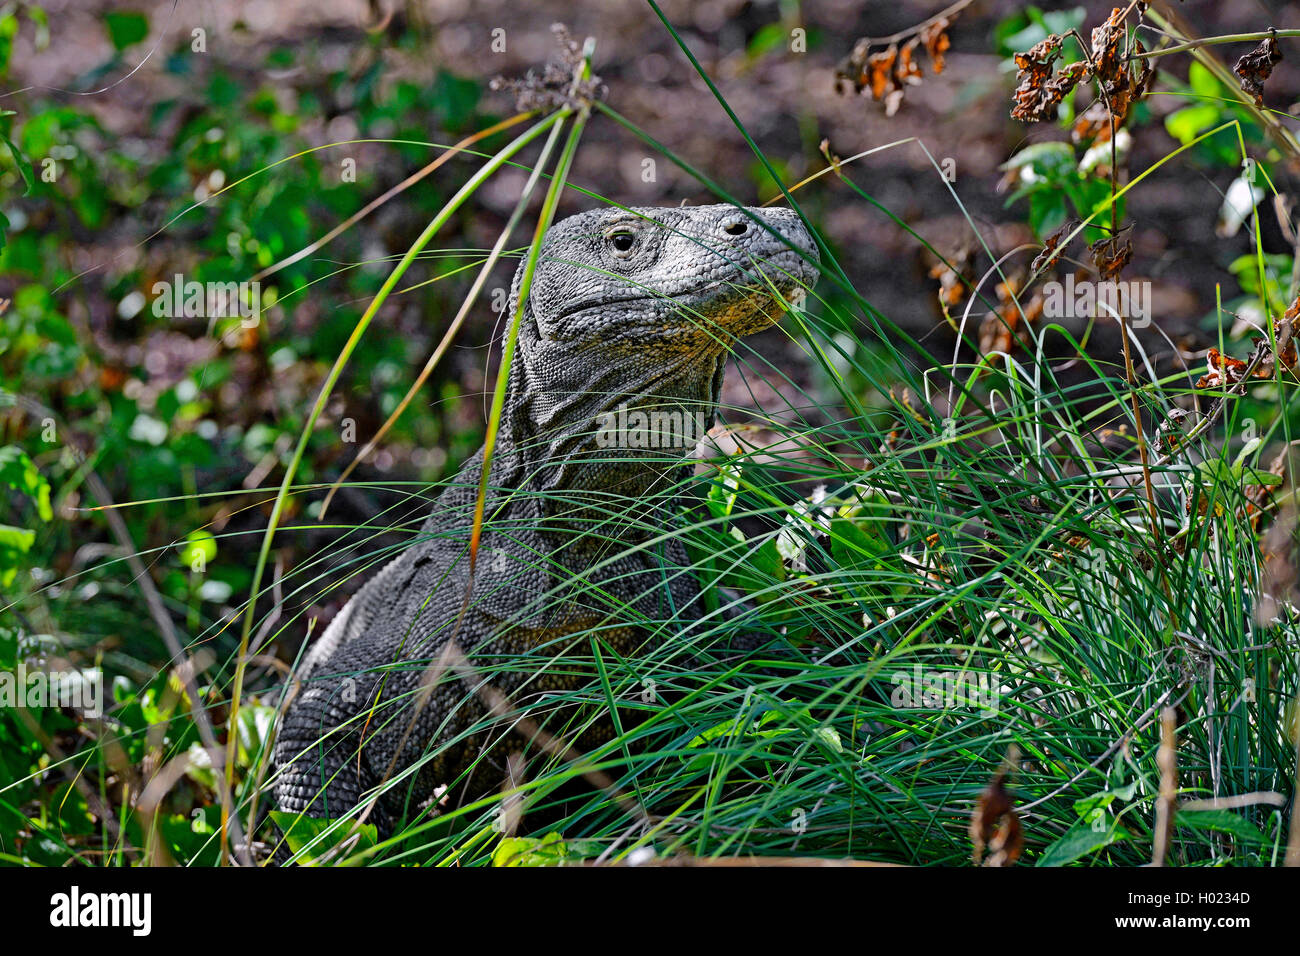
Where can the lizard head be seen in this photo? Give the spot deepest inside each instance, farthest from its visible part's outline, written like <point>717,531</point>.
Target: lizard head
<point>686,279</point>
<point>635,310</point>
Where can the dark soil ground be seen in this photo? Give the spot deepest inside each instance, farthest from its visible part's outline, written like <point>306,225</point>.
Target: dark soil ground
<point>787,101</point>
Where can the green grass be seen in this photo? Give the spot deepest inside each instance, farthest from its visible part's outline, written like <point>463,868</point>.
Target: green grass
<point>974,529</point>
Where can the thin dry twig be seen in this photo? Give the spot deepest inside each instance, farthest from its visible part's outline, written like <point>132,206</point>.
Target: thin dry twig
<point>1167,802</point>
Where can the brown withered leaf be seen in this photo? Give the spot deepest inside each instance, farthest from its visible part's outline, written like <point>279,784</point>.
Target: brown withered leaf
<point>1094,123</point>
<point>999,332</point>
<point>1284,333</point>
<point>935,40</point>
<point>1140,83</point>
<point>1259,499</point>
<point>885,73</point>
<point>1060,85</point>
<point>1222,370</point>
<point>1039,92</point>
<point>1256,66</point>
<point>1047,258</point>
<point>1170,433</point>
<point>852,69</point>
<point>907,71</point>
<point>1279,581</point>
<point>1121,87</point>
<point>1225,371</point>
<point>880,72</point>
<point>994,823</point>
<point>1111,254</point>
<point>1107,53</point>
<point>954,277</point>
<point>111,377</point>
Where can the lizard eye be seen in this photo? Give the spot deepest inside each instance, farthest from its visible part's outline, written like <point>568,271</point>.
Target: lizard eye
<point>621,241</point>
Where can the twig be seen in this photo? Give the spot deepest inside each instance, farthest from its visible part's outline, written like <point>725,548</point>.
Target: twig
<point>912,31</point>
<point>1214,41</point>
<point>1167,803</point>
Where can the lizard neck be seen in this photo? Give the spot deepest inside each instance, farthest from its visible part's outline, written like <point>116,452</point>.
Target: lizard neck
<point>598,436</point>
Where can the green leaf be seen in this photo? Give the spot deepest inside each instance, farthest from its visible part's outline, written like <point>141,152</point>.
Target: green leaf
<point>1203,82</point>
<point>1044,156</point>
<point>255,722</point>
<point>300,832</point>
<point>1039,24</point>
<point>856,545</point>
<point>21,161</point>
<point>1214,471</point>
<point>200,548</point>
<point>1224,821</point>
<point>19,472</point>
<point>766,561</point>
<point>1253,476</point>
<point>125,28</point>
<point>768,38</point>
<point>550,850</point>
<point>199,768</point>
<point>1189,122</point>
<point>721,496</point>
<point>16,539</point>
<point>1078,842</point>
<point>1046,211</point>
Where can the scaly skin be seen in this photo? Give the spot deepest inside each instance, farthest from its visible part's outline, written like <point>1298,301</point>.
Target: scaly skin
<point>563,554</point>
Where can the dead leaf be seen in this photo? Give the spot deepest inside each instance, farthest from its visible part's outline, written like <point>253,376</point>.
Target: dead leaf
<point>885,73</point>
<point>935,40</point>
<point>555,87</point>
<point>880,72</point>
<point>1256,66</point>
<point>1107,55</point>
<point>1034,100</point>
<point>1111,255</point>
<point>994,823</point>
<point>908,71</point>
<point>1000,328</point>
<point>1047,258</point>
<point>954,278</point>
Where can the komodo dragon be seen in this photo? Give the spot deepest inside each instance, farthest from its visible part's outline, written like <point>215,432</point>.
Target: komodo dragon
<point>628,310</point>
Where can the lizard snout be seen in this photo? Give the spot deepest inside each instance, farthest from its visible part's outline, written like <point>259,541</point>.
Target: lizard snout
<point>792,270</point>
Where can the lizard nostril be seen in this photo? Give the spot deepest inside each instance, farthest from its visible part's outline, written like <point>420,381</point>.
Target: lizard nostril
<point>735,227</point>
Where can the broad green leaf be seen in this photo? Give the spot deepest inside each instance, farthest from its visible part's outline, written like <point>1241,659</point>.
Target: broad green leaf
<point>550,850</point>
<point>1050,155</point>
<point>1078,842</point>
<point>1189,122</point>
<point>199,550</point>
<point>19,472</point>
<point>24,165</point>
<point>125,28</point>
<point>300,832</point>
<point>1224,821</point>
<point>19,539</point>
